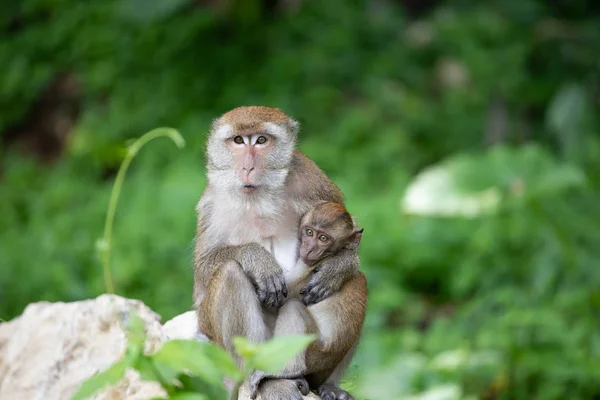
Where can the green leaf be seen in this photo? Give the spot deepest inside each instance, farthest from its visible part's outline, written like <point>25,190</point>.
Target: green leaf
<point>136,337</point>
<point>450,360</point>
<point>350,378</point>
<point>100,381</point>
<point>446,391</point>
<point>147,370</point>
<point>195,384</point>
<point>201,359</point>
<point>436,191</point>
<point>470,185</point>
<point>273,355</point>
<point>224,361</point>
<point>189,396</point>
<point>243,347</point>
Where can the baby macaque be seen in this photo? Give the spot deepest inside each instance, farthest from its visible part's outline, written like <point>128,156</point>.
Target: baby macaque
<point>326,231</point>
<point>323,273</point>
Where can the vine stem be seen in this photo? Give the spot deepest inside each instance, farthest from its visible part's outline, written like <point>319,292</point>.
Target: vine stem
<point>105,243</point>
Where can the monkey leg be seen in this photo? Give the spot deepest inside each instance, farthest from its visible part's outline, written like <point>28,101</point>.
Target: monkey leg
<point>293,318</point>
<point>281,389</point>
<point>231,308</point>
<point>339,320</point>
<point>330,390</point>
<point>318,362</point>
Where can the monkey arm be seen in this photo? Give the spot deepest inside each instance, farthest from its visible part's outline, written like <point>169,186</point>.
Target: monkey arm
<point>330,276</point>
<point>260,266</point>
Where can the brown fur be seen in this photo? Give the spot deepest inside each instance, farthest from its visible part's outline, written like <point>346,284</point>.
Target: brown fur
<point>330,216</point>
<point>307,182</point>
<point>345,312</point>
<point>250,119</point>
<point>348,307</point>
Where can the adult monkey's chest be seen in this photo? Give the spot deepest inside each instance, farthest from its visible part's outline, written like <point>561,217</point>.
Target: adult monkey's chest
<point>274,229</point>
<point>280,238</point>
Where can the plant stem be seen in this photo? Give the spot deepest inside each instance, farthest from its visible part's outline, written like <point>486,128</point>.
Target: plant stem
<point>116,190</point>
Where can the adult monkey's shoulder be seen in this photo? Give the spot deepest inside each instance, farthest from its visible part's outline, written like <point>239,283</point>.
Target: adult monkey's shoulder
<point>308,184</point>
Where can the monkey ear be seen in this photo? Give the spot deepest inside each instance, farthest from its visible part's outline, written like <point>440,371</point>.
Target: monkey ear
<point>294,126</point>
<point>354,239</point>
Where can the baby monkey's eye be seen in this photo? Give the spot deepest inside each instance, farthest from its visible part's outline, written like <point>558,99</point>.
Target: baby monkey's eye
<point>323,238</point>
<point>238,140</point>
<point>261,140</point>
<point>309,232</point>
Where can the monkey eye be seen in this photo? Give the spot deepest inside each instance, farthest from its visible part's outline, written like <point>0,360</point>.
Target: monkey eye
<point>261,140</point>
<point>238,140</point>
<point>309,232</point>
<point>323,238</point>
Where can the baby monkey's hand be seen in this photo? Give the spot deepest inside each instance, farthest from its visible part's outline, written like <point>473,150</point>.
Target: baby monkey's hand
<point>323,284</point>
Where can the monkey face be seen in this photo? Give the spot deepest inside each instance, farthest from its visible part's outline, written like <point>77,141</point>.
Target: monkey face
<point>315,245</point>
<point>249,154</point>
<point>250,148</point>
<point>324,230</point>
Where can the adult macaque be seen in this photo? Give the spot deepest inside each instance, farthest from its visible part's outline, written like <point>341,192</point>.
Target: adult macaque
<point>258,188</point>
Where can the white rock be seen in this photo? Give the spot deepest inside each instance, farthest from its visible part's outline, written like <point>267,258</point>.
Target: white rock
<point>51,348</point>
<point>184,326</point>
<point>48,351</point>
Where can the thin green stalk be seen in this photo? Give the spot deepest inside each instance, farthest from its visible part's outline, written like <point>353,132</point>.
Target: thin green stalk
<point>104,245</point>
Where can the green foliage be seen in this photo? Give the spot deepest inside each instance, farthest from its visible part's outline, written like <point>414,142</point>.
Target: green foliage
<point>104,379</point>
<point>473,185</point>
<point>271,356</point>
<point>350,379</point>
<point>498,98</point>
<point>193,370</point>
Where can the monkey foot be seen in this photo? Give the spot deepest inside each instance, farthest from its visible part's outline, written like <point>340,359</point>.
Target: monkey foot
<point>330,392</point>
<point>302,386</point>
<point>254,381</point>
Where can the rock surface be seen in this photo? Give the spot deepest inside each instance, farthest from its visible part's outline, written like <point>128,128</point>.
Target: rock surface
<point>51,348</point>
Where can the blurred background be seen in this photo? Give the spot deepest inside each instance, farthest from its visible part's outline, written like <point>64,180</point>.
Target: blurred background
<point>464,135</point>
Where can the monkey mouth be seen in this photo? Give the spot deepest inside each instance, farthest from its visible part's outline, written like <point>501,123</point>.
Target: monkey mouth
<point>309,261</point>
<point>249,188</point>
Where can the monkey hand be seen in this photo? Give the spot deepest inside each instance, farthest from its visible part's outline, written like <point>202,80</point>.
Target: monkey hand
<point>321,285</point>
<point>267,276</point>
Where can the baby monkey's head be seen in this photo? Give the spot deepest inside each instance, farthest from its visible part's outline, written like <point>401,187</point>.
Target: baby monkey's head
<point>326,229</point>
